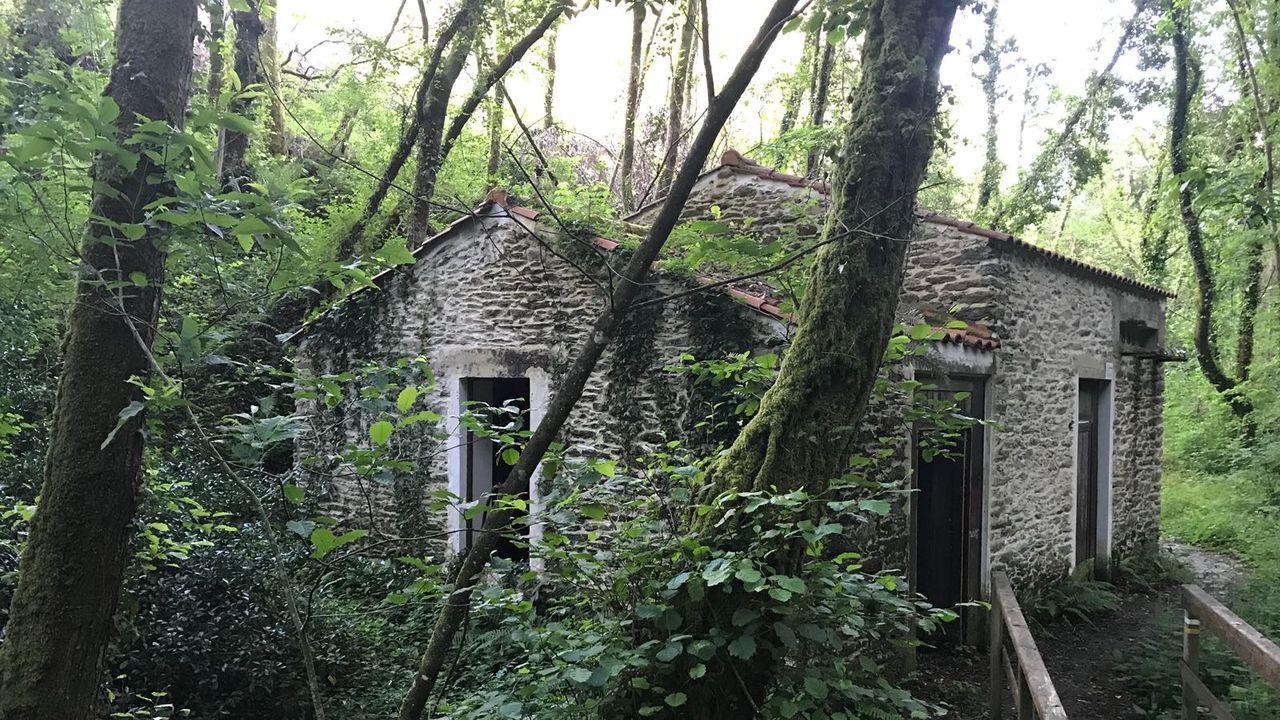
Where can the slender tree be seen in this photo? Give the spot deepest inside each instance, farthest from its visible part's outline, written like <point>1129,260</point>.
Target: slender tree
<point>990,56</point>
<point>634,80</point>
<point>822,87</point>
<point>217,33</point>
<point>342,134</point>
<point>680,72</point>
<point>71,569</point>
<point>269,59</point>
<point>1180,163</point>
<point>549,97</point>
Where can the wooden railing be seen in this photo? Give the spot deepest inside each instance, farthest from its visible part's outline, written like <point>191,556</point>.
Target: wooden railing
<point>1033,693</point>
<point>1203,611</point>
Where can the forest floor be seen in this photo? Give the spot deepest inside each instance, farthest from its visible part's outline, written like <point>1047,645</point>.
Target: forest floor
<point>1083,658</point>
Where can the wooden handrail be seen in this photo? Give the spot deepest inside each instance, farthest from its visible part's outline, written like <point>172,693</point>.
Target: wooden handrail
<point>1033,690</point>
<point>1203,610</point>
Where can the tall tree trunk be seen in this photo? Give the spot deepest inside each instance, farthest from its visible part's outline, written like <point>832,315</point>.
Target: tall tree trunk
<point>800,81</point>
<point>675,101</point>
<point>1179,164</point>
<point>235,145</point>
<point>805,429</point>
<point>493,120</point>
<point>569,389</point>
<point>269,57</point>
<point>548,98</point>
<point>819,114</point>
<point>705,32</point>
<point>71,569</point>
<point>633,105</point>
<point>434,115</point>
<point>217,33</point>
<point>992,168</point>
<point>1155,234</point>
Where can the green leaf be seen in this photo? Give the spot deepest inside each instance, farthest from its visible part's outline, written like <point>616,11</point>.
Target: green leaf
<point>743,647</point>
<point>407,398</point>
<point>697,671</point>
<point>790,584</point>
<point>234,123</point>
<point>816,687</point>
<point>510,456</point>
<point>137,278</point>
<point>325,542</point>
<point>669,652</point>
<point>876,507</point>
<point>395,253</point>
<point>380,432</point>
<point>293,494</point>
<point>594,511</point>
<point>302,528</point>
<point>676,699</point>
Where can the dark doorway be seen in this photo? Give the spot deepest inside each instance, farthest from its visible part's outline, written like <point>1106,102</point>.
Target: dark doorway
<point>948,513</point>
<point>1088,476</point>
<point>485,468</point>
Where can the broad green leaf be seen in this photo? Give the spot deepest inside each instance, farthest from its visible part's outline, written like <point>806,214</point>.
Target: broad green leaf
<point>380,432</point>
<point>743,647</point>
<point>676,699</point>
<point>406,398</point>
<point>293,494</point>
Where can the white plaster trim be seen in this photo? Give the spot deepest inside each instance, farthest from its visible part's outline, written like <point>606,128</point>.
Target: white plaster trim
<point>453,367</point>
<point>1106,436</point>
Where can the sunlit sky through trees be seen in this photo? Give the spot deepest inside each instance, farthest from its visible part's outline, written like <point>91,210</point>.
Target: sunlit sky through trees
<point>1072,39</point>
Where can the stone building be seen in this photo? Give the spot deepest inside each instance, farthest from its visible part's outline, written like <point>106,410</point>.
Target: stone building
<point>1062,359</point>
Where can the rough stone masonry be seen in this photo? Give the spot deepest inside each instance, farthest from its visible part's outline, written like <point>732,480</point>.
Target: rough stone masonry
<point>503,294</point>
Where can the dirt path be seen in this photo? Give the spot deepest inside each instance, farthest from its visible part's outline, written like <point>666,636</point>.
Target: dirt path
<point>1083,657</point>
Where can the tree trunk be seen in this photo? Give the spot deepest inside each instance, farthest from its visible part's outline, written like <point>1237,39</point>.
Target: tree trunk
<point>548,99</point>
<point>269,55</point>
<point>705,32</point>
<point>802,78</point>
<point>569,390</point>
<point>71,569</point>
<point>235,145</point>
<point>494,121</point>
<point>1179,164</point>
<point>992,169</point>
<point>409,139</point>
<point>433,115</point>
<point>675,104</point>
<point>822,89</point>
<point>217,33</point>
<point>803,433</point>
<point>633,105</point>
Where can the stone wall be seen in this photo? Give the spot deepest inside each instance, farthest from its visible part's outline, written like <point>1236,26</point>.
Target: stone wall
<point>488,300</point>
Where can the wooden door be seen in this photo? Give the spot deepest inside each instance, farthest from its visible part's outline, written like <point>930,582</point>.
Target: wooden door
<point>1088,459</point>
<point>948,515</point>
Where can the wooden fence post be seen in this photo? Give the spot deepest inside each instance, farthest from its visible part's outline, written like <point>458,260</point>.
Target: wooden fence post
<point>1191,657</point>
<point>997,648</point>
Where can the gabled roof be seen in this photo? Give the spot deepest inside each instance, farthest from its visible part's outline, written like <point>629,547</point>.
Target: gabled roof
<point>736,162</point>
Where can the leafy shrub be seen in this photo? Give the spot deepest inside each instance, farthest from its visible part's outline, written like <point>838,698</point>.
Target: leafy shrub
<point>1151,570</point>
<point>1076,599</point>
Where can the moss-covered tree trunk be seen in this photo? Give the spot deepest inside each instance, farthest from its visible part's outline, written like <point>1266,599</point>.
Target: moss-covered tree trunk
<point>803,433</point>
<point>70,572</point>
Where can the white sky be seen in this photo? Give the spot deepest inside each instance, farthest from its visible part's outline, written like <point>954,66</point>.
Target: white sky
<point>1071,37</point>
